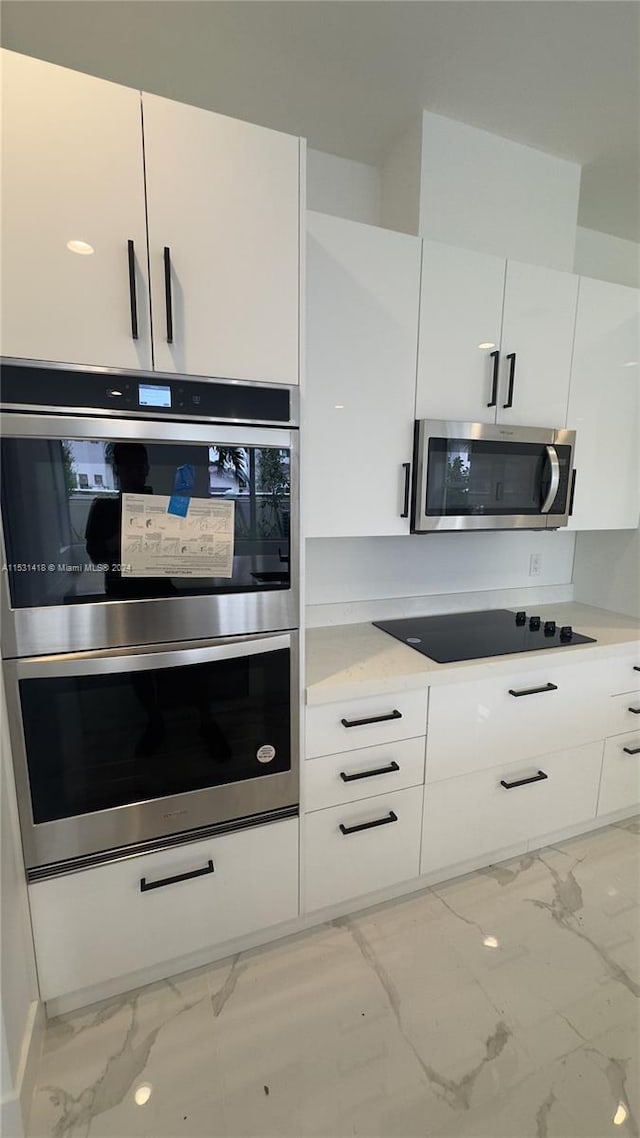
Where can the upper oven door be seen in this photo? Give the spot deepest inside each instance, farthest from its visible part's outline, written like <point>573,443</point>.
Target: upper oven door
<point>478,476</point>
<point>209,515</point>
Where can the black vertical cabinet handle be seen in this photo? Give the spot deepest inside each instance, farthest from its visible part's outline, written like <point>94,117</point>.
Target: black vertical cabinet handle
<point>167,293</point>
<point>145,885</point>
<point>539,777</point>
<point>512,377</point>
<point>132,290</point>
<point>574,475</point>
<point>495,356</point>
<point>406,466</point>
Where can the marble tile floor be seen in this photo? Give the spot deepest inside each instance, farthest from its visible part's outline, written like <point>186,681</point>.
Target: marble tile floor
<point>503,1004</point>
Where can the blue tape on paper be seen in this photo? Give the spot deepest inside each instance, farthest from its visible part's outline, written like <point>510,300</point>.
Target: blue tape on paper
<point>183,482</point>
<point>178,505</point>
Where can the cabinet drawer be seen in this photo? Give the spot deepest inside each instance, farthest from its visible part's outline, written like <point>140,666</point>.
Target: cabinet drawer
<point>474,814</point>
<point>624,713</point>
<point>620,783</point>
<point>353,723</point>
<point>624,673</point>
<point>92,926</point>
<point>477,725</point>
<point>340,865</point>
<point>351,775</point>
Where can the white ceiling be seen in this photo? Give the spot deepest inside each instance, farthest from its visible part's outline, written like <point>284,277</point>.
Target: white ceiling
<point>559,75</point>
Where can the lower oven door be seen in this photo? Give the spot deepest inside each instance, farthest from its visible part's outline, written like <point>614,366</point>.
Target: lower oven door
<point>118,749</point>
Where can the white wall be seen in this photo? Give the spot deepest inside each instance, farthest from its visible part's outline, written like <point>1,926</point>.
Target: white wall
<point>21,1018</point>
<point>488,193</point>
<point>400,182</point>
<point>354,579</point>
<point>607,570</point>
<point>607,258</point>
<point>342,187</point>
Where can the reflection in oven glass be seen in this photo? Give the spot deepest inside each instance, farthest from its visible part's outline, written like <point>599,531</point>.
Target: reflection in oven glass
<point>61,504</point>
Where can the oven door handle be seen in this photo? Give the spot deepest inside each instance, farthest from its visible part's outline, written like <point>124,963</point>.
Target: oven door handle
<point>130,660</point>
<point>554,485</point>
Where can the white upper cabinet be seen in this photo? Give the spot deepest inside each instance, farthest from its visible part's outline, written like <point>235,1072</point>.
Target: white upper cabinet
<point>223,210</point>
<point>361,331</point>
<point>604,406</point>
<point>460,321</point>
<point>72,171</point>
<point>470,309</point>
<point>537,339</point>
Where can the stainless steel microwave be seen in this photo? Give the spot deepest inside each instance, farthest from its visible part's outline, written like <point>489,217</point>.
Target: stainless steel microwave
<point>476,476</point>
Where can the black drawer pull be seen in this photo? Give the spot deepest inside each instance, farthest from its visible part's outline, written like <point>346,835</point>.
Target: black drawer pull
<point>391,817</point>
<point>393,766</point>
<point>631,750</point>
<point>539,777</point>
<point>145,885</point>
<point>374,719</point>
<point>533,691</point>
<point>634,710</point>
<point>636,667</point>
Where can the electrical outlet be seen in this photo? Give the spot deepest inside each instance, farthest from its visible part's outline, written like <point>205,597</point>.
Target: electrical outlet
<point>535,565</point>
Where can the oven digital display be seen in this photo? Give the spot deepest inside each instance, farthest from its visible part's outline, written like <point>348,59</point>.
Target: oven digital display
<point>154,395</point>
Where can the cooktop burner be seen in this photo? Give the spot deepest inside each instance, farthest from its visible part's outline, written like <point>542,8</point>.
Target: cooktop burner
<point>470,635</point>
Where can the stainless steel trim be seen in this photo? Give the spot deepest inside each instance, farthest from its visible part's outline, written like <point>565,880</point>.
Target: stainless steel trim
<point>491,432</point>
<point>111,623</point>
<point>554,486</point>
<point>100,831</point>
<point>140,374</point>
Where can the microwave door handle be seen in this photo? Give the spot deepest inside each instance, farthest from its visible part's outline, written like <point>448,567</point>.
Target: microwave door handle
<point>554,485</point>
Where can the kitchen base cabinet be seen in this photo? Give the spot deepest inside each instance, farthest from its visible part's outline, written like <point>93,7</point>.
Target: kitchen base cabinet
<point>476,814</point>
<point>355,723</point>
<point>357,848</point>
<point>620,782</point>
<point>117,919</point>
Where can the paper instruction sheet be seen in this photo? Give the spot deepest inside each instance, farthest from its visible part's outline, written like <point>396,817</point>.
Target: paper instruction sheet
<point>156,543</point>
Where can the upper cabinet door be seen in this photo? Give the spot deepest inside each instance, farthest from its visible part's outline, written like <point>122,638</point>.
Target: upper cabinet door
<point>460,320</point>
<point>604,405</point>
<point>361,334</point>
<point>72,171</point>
<point>537,341</point>
<point>223,201</point>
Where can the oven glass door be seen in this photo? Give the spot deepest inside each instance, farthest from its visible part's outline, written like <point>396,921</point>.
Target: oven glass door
<point>63,518</point>
<point>141,745</point>
<point>486,478</point>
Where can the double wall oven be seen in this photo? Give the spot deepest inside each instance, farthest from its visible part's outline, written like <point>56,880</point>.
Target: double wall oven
<point>150,608</point>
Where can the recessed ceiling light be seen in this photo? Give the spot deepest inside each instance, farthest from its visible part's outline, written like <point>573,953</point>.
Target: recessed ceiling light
<point>81,247</point>
<point>490,942</point>
<point>631,363</point>
<point>339,406</point>
<point>486,344</point>
<point>621,1115</point>
<point>142,1094</point>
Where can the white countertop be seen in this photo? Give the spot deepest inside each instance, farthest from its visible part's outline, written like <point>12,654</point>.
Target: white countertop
<point>353,660</point>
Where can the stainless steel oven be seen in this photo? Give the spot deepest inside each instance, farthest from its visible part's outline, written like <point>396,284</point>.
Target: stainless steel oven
<point>128,749</point>
<point>210,467</point>
<point>474,476</point>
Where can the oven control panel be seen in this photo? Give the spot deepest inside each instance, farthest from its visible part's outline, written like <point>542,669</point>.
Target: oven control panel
<point>41,388</point>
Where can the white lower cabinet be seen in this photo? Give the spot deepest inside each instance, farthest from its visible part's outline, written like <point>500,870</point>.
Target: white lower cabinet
<point>361,847</point>
<point>113,920</point>
<point>624,713</point>
<point>341,726</point>
<point>620,783</point>
<point>332,780</point>
<point>474,814</point>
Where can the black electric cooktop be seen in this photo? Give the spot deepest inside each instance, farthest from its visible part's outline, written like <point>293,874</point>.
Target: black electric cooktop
<point>470,635</point>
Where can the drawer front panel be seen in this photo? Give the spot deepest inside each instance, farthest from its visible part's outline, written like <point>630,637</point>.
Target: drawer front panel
<point>624,673</point>
<point>620,784</point>
<point>376,719</point>
<point>332,780</point>
<point>339,865</point>
<point>624,713</point>
<point>478,725</point>
<point>473,815</point>
<point>92,926</point>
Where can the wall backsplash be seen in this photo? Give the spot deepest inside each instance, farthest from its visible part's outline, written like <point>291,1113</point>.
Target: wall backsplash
<point>352,579</point>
